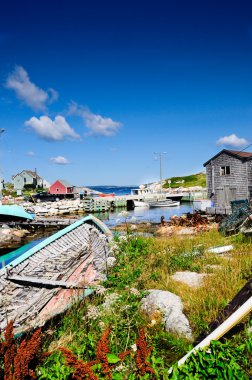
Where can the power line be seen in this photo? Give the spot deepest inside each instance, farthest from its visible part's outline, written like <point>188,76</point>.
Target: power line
<point>245,148</point>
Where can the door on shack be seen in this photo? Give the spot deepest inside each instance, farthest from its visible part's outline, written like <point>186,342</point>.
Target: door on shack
<point>224,195</point>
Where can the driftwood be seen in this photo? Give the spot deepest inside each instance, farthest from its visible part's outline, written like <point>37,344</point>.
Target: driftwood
<point>241,297</point>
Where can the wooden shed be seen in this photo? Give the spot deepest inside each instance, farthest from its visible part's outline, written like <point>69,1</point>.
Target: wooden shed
<point>229,177</point>
<point>61,187</point>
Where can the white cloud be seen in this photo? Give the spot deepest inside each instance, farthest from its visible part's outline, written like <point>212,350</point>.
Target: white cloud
<point>60,160</point>
<point>28,92</point>
<point>31,154</point>
<point>51,130</point>
<point>97,124</point>
<point>54,95</point>
<point>232,140</point>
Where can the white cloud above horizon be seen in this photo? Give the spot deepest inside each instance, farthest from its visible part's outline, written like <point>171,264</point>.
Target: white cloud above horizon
<point>232,140</point>
<point>60,160</point>
<point>98,125</point>
<point>30,154</point>
<point>52,130</point>
<point>28,92</point>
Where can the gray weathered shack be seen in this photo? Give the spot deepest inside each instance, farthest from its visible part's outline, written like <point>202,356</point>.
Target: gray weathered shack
<point>229,177</point>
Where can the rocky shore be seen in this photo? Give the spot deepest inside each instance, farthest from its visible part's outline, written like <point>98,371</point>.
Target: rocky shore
<point>62,207</point>
<point>11,236</point>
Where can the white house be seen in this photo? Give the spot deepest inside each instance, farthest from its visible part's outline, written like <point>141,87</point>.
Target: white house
<point>27,177</point>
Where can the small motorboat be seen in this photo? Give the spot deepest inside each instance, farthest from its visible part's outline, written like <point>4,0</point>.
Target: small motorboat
<point>140,204</point>
<point>164,203</point>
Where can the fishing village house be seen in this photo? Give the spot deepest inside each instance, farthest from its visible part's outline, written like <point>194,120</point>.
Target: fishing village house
<point>27,177</point>
<point>229,177</point>
<point>62,188</point>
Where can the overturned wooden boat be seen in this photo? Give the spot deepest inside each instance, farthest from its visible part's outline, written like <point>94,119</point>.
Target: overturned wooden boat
<point>12,213</point>
<point>49,277</point>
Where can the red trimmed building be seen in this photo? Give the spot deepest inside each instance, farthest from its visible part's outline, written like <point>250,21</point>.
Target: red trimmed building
<point>61,187</point>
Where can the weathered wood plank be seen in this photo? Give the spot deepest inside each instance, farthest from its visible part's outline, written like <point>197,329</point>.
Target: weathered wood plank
<point>44,282</point>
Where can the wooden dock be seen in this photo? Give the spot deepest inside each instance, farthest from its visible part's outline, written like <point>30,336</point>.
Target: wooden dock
<point>42,223</point>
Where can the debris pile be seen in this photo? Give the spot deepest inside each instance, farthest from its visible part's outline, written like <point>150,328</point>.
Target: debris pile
<point>188,220</point>
<point>239,220</point>
<point>187,224</point>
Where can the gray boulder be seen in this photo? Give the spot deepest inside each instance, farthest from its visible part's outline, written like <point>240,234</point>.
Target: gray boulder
<point>171,307</point>
<point>192,279</point>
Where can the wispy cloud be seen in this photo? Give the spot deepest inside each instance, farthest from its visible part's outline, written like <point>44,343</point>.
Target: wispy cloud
<point>52,130</point>
<point>59,160</point>
<point>232,140</point>
<point>28,92</point>
<point>30,154</point>
<point>98,125</point>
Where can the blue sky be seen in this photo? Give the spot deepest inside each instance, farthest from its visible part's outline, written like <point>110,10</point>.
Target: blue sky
<point>90,89</point>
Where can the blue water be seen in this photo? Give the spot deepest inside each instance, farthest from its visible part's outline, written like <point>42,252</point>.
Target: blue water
<point>144,214</point>
<point>141,214</point>
<point>117,190</point>
<point>9,257</point>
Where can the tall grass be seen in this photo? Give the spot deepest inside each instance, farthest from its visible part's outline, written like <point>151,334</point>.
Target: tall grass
<point>148,263</point>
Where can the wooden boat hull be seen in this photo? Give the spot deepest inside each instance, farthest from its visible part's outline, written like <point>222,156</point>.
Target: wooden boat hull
<point>48,278</point>
<point>10,213</point>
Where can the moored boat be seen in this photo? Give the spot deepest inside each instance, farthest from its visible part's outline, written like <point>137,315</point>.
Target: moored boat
<point>140,204</point>
<point>46,279</point>
<point>164,203</point>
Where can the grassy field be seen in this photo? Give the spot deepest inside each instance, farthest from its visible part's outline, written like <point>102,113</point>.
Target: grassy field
<point>111,321</point>
<point>190,180</point>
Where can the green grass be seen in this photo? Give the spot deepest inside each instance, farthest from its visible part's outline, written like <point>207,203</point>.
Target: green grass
<point>190,180</point>
<point>148,263</point>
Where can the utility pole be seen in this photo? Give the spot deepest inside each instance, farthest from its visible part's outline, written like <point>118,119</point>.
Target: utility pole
<point>160,157</point>
<point>36,176</point>
<point>1,182</point>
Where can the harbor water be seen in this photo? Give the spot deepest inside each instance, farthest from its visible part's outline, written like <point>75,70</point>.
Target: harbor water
<point>144,214</point>
<point>9,257</point>
<point>111,219</point>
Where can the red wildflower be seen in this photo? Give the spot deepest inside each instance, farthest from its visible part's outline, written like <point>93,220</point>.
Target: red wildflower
<point>82,370</point>
<point>143,351</point>
<point>101,353</point>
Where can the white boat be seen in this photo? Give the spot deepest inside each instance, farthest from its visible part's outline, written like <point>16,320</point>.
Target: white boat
<point>164,203</point>
<point>148,193</point>
<point>141,204</point>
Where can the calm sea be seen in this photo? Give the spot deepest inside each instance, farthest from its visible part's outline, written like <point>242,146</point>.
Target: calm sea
<point>117,190</point>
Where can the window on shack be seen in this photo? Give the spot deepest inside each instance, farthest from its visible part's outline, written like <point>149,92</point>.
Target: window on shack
<point>225,170</point>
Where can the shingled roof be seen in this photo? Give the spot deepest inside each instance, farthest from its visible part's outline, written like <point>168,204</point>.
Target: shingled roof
<point>30,172</point>
<point>65,183</point>
<point>234,153</point>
